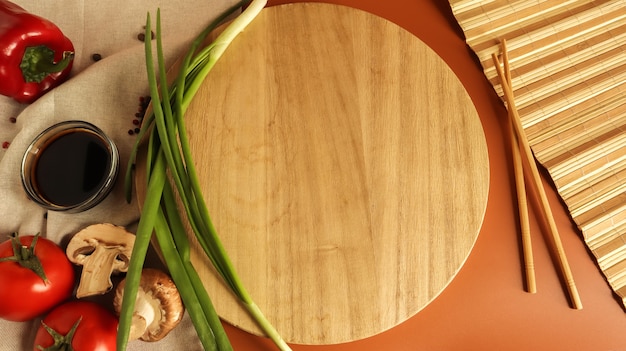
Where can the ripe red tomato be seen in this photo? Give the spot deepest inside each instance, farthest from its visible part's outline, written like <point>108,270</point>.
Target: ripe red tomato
<point>94,328</point>
<point>25,295</point>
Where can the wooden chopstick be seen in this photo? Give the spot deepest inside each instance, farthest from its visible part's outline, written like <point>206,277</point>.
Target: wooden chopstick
<point>522,202</point>
<point>557,246</point>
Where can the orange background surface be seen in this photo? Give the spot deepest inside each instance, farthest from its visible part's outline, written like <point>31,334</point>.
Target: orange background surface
<point>486,307</point>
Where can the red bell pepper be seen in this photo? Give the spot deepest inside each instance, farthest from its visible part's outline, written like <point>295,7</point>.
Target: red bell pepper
<point>35,56</point>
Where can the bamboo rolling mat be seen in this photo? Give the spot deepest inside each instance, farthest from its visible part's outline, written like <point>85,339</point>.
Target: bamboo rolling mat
<point>568,67</point>
<point>345,168</point>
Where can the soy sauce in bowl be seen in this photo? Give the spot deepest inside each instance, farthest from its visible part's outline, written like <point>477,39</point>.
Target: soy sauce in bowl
<point>71,166</point>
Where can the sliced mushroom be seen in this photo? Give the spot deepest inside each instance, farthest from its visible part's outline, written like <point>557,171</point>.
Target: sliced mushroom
<point>102,250</point>
<point>158,306</point>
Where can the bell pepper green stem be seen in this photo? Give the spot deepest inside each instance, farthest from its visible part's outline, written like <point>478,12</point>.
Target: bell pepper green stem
<point>38,62</point>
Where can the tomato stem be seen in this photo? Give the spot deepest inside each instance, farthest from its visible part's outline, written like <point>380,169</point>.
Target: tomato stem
<point>25,256</point>
<point>61,342</point>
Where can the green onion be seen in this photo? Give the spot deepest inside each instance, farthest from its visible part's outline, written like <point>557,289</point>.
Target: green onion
<point>168,153</point>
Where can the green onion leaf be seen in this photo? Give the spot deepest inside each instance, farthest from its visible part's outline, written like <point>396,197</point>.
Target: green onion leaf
<point>169,160</point>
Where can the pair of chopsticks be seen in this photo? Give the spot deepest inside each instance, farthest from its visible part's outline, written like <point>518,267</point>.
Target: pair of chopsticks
<point>519,141</point>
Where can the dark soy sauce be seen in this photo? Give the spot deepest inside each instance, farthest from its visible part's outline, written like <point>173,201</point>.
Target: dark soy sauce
<point>72,167</point>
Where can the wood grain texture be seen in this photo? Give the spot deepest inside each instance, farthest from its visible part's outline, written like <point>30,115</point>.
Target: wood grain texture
<point>345,169</point>
<point>568,67</point>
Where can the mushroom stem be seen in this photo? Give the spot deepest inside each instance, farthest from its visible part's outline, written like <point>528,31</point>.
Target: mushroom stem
<point>158,306</point>
<point>95,278</point>
<point>137,327</point>
<point>102,249</point>
<point>147,313</point>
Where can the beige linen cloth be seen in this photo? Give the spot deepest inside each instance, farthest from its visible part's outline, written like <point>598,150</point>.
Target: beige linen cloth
<point>105,93</point>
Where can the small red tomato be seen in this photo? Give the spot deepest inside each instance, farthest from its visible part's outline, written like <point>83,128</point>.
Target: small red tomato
<point>77,326</point>
<point>35,275</point>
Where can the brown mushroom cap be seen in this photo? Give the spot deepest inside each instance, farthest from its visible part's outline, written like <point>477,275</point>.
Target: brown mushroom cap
<point>158,307</point>
<point>102,250</point>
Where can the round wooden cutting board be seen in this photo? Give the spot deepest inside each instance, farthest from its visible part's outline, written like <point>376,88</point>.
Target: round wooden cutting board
<point>345,169</point>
